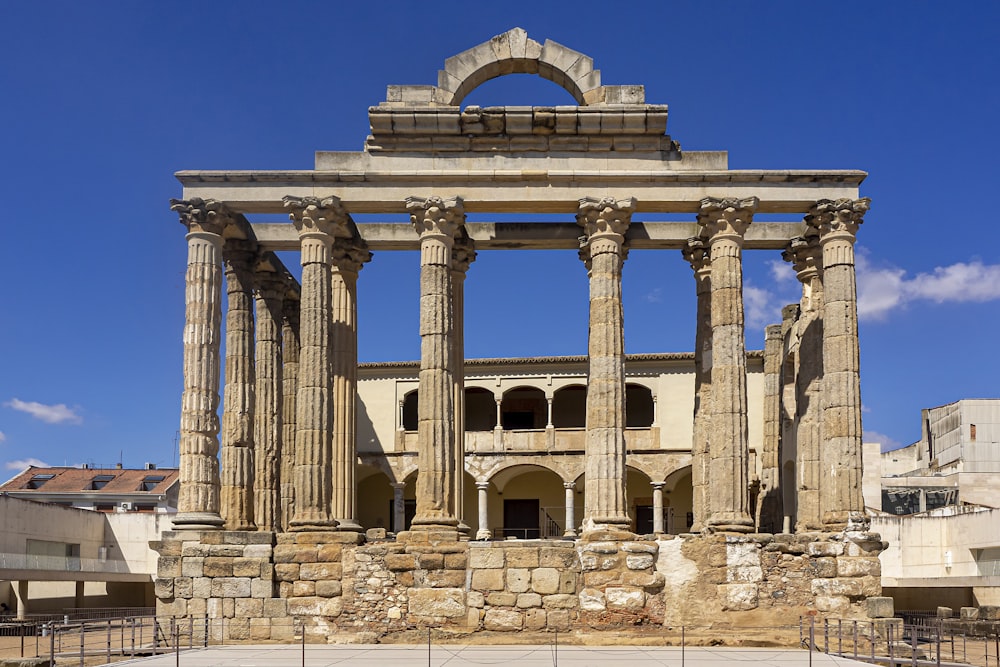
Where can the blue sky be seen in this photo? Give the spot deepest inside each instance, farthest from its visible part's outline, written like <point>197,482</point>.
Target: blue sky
<point>103,101</point>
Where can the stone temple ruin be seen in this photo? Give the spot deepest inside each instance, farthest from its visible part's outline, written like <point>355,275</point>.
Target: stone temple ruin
<point>272,530</point>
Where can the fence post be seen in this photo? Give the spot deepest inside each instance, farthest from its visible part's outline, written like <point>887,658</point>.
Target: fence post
<point>826,635</point>
<point>52,643</point>
<point>108,649</point>
<point>855,639</point>
<point>913,645</point>
<point>81,643</point>
<point>889,644</point>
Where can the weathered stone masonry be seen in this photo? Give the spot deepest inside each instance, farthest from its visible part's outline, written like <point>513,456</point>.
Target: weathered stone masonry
<point>293,546</point>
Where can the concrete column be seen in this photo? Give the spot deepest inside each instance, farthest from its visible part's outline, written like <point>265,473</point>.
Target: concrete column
<point>570,488</point>
<point>398,507</point>
<point>436,221</point>
<point>348,258</point>
<point>463,253</point>
<point>697,253</point>
<point>484,532</point>
<point>318,222</point>
<point>198,499</point>
<point>658,507</point>
<point>806,257</point>
<point>769,514</point>
<point>237,500</point>
<point>840,459</point>
<point>289,389</point>
<point>605,222</point>
<point>79,594</point>
<point>20,589</point>
<point>269,402</point>
<point>724,222</point>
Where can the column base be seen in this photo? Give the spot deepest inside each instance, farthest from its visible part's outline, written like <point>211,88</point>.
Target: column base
<point>349,526</point>
<point>569,534</point>
<point>465,530</point>
<point>197,521</point>
<point>606,528</point>
<point>312,526</point>
<point>484,534</point>
<point>729,525</point>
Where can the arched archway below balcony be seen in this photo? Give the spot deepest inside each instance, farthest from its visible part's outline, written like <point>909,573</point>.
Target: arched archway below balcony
<point>678,501</point>
<point>410,407</point>
<point>480,409</point>
<point>569,407</point>
<point>526,501</point>
<point>523,408</point>
<point>640,410</point>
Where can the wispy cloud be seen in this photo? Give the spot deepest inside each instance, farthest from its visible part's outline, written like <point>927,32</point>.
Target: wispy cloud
<point>21,464</point>
<point>882,289</point>
<point>3,436</point>
<point>655,295</point>
<point>781,271</point>
<point>761,307</point>
<point>50,414</point>
<point>886,443</point>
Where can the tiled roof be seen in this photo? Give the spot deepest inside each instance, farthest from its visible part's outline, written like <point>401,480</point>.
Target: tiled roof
<point>71,480</point>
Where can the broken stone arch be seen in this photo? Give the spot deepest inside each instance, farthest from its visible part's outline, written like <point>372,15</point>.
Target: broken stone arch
<point>514,52</point>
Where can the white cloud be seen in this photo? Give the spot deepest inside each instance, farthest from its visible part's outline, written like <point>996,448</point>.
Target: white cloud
<point>781,271</point>
<point>3,436</point>
<point>25,463</point>
<point>655,295</point>
<point>883,289</point>
<point>761,307</point>
<point>50,414</point>
<point>886,443</point>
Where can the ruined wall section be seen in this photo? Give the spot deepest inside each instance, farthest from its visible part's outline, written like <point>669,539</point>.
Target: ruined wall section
<point>266,585</point>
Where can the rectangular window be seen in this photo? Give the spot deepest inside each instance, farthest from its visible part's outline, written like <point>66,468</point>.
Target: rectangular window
<point>150,482</point>
<point>100,481</point>
<point>37,481</point>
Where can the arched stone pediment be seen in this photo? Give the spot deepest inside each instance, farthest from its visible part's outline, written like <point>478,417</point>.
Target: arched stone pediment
<point>514,52</point>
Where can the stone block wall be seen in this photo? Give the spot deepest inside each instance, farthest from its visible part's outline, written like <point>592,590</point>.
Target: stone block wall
<point>340,590</point>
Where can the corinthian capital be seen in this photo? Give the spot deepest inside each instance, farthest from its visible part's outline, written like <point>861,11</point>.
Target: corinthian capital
<point>605,216</point>
<point>314,216</point>
<point>436,216</point>
<point>722,217</point>
<point>201,215</point>
<point>842,216</point>
<point>696,252</point>
<point>350,255</point>
<point>805,255</point>
<point>463,253</point>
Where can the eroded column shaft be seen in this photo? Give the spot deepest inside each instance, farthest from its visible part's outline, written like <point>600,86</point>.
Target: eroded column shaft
<point>198,499</point>
<point>463,254</point>
<point>769,515</point>
<point>268,427</point>
<point>840,458</point>
<point>238,397</point>
<point>724,222</point>
<point>436,221</point>
<point>349,256</point>
<point>605,222</point>
<point>696,252</point>
<point>289,389</point>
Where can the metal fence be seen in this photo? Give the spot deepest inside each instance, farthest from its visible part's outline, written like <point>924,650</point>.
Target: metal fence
<point>919,640</point>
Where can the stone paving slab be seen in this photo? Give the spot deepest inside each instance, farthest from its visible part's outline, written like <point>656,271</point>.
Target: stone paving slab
<point>460,656</point>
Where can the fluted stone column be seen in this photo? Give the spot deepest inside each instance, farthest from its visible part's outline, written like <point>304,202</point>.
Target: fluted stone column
<point>658,507</point>
<point>318,222</point>
<point>806,257</point>
<point>697,254</point>
<point>484,532</point>
<point>605,222</point>
<point>840,458</point>
<point>289,389</point>
<point>269,402</point>
<point>238,396</point>
<point>198,499</point>
<point>724,222</point>
<point>769,513</point>
<point>463,253</point>
<point>436,221</point>
<point>348,258</point>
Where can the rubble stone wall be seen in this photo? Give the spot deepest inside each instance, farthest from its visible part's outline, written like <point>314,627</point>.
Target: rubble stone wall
<point>263,584</point>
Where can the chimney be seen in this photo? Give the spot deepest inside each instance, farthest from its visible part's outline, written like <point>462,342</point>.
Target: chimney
<point>150,466</point>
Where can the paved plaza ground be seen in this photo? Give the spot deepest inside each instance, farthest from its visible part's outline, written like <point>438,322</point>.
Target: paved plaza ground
<point>460,656</point>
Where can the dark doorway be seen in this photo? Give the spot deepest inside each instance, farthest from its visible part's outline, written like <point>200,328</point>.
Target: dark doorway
<point>520,518</point>
<point>643,519</point>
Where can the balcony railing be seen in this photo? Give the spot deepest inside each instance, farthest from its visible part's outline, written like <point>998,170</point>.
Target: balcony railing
<point>12,561</point>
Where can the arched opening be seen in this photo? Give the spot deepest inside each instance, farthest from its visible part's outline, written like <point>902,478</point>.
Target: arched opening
<point>639,500</point>
<point>526,502</point>
<point>639,411</point>
<point>678,502</point>
<point>480,409</point>
<point>569,407</point>
<point>518,89</point>
<point>523,408</point>
<point>375,497</point>
<point>410,411</point>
